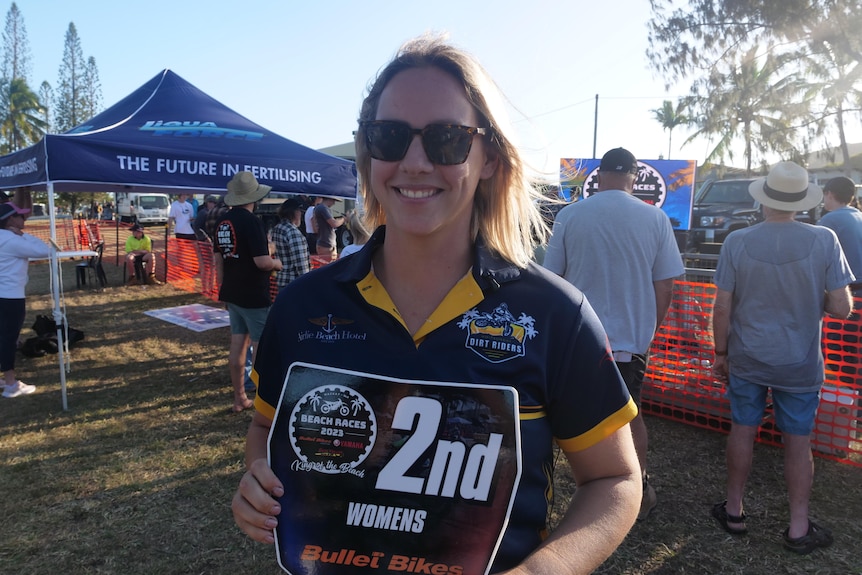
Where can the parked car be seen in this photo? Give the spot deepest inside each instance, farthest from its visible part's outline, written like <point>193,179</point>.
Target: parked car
<point>720,207</point>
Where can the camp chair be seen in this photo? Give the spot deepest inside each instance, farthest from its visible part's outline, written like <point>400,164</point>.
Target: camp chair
<point>93,265</point>
<point>140,273</point>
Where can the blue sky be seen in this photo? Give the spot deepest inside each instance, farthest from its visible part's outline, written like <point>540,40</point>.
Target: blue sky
<point>300,68</point>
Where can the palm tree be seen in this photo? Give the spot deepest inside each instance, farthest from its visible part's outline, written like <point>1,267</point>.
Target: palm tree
<point>751,102</point>
<point>21,123</point>
<point>670,117</point>
<point>837,86</point>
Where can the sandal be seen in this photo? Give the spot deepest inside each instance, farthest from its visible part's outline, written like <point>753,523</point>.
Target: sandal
<point>719,511</point>
<point>240,408</point>
<point>816,537</point>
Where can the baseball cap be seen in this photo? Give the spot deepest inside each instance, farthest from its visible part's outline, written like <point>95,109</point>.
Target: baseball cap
<point>619,160</point>
<point>137,228</point>
<point>211,198</point>
<point>7,209</point>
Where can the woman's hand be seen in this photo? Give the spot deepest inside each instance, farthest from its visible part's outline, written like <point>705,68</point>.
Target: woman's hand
<point>255,506</point>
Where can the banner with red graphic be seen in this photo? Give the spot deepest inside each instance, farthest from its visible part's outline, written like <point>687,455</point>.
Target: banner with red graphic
<point>392,476</point>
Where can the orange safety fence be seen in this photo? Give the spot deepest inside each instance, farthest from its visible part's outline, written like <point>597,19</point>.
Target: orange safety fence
<point>679,384</point>
<point>68,237</point>
<point>191,268</point>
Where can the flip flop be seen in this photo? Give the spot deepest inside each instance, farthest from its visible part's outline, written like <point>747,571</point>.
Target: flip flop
<point>241,408</point>
<point>719,511</point>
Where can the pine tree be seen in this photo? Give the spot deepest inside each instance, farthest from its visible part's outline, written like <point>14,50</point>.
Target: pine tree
<point>16,48</point>
<point>46,96</point>
<point>92,89</point>
<point>70,105</point>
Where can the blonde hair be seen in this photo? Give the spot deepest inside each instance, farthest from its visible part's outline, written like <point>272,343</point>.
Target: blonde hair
<point>357,229</point>
<point>505,209</point>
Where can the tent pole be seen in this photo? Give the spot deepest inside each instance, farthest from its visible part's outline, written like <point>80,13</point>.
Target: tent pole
<point>55,292</point>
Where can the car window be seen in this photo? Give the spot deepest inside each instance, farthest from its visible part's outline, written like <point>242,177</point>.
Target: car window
<point>728,193</point>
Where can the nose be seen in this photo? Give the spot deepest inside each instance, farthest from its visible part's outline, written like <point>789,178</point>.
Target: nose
<point>416,160</point>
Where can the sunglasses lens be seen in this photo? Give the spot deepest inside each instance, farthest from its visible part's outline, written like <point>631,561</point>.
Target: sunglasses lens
<point>447,145</point>
<point>388,141</point>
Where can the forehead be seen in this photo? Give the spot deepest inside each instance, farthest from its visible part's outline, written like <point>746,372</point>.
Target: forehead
<point>421,96</point>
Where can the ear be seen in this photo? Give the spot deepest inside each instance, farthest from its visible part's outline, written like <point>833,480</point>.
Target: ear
<point>492,160</point>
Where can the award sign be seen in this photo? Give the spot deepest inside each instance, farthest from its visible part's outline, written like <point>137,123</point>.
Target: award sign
<point>392,476</point>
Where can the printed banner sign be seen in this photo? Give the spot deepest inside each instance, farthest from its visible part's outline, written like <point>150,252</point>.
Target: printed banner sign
<point>668,184</point>
<point>392,476</point>
<point>196,316</point>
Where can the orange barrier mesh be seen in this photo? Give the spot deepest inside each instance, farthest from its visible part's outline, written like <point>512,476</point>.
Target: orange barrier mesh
<point>67,234</point>
<point>183,263</point>
<point>679,383</point>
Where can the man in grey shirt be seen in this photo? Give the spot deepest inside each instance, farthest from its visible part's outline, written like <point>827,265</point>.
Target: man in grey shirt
<point>775,280</point>
<point>621,252</point>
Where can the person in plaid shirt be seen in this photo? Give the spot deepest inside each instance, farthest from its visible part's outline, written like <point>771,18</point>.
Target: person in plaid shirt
<point>291,246</point>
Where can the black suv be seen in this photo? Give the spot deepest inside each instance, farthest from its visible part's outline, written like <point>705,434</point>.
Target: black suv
<point>720,207</point>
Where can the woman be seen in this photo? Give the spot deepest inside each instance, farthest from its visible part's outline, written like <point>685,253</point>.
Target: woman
<point>291,247</point>
<point>358,233</point>
<point>455,221</point>
<point>16,249</point>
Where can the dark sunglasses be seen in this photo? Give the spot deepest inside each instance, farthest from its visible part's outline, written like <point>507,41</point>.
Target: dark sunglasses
<point>445,144</point>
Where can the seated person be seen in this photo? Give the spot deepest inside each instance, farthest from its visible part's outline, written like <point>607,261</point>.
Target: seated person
<point>139,251</point>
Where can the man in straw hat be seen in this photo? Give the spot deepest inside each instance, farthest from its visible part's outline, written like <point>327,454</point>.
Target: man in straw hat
<point>243,268</point>
<point>775,281</point>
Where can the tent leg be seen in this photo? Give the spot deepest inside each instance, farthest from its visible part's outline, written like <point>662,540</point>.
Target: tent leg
<point>55,292</point>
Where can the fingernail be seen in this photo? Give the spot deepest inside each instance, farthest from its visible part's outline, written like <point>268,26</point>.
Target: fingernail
<point>276,509</point>
<point>271,523</point>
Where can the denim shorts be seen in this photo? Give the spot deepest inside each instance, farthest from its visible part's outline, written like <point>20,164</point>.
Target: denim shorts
<point>794,412</point>
<point>244,320</point>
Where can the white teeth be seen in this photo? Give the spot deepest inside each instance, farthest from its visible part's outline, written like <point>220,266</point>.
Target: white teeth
<point>416,194</point>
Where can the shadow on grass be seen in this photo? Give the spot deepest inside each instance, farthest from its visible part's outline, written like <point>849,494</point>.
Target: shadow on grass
<point>137,476</point>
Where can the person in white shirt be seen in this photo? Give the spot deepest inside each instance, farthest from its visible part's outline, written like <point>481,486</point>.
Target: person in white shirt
<point>181,216</point>
<point>16,249</point>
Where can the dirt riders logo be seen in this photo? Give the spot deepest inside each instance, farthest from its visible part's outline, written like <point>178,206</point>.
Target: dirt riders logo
<point>497,336</point>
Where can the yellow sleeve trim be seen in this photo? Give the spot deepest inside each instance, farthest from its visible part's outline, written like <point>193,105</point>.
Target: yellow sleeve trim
<point>260,405</point>
<point>604,429</point>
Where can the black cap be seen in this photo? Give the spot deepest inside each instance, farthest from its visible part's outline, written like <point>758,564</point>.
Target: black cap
<point>288,207</point>
<point>619,160</point>
<point>137,228</point>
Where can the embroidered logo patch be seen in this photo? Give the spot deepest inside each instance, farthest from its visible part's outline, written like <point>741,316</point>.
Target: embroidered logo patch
<point>330,329</point>
<point>497,336</point>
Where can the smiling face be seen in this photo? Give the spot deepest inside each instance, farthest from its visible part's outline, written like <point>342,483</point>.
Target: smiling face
<point>418,197</point>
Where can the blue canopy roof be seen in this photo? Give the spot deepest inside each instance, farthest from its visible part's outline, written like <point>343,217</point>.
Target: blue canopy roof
<point>168,135</point>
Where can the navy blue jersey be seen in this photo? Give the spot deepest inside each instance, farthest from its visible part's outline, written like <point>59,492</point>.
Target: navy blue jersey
<point>525,328</point>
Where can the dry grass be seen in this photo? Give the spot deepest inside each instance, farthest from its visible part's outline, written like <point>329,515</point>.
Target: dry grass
<point>136,477</point>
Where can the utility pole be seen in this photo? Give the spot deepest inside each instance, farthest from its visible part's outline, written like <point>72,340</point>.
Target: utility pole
<point>595,125</point>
